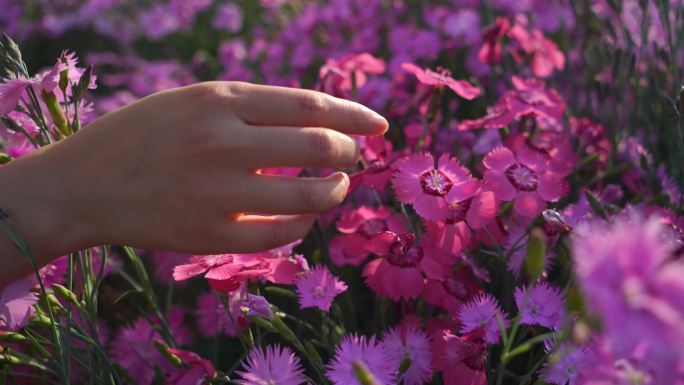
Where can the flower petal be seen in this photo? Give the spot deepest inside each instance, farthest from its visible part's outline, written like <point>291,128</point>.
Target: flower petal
<point>482,209</point>
<point>499,159</point>
<point>551,187</point>
<point>528,204</point>
<point>183,272</point>
<point>498,183</point>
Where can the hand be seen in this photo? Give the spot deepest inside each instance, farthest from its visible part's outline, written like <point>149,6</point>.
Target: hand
<point>178,171</point>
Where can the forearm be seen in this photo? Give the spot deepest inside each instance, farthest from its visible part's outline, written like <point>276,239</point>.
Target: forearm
<point>36,202</point>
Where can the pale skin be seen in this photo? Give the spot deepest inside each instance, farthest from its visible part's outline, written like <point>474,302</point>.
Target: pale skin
<point>178,171</point>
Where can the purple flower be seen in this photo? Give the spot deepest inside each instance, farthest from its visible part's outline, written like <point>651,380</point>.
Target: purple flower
<point>564,363</point>
<point>272,366</point>
<point>358,352</point>
<point>540,304</point>
<point>10,92</point>
<point>228,18</point>
<point>16,304</point>
<point>213,318</point>
<point>318,288</point>
<point>407,342</point>
<point>257,306</point>
<point>482,312</point>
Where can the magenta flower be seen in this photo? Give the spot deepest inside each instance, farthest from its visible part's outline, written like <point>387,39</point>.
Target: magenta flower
<point>318,288</point>
<point>482,312</point>
<point>402,271</point>
<point>451,293</point>
<point>546,57</point>
<point>16,304</point>
<point>197,370</point>
<point>462,88</point>
<point>134,349</point>
<point>224,272</point>
<point>540,304</point>
<point>524,178</point>
<point>490,52</point>
<point>461,358</point>
<point>273,366</point>
<point>428,188</point>
<point>213,318</point>
<point>338,76</point>
<point>359,226</point>
<point>358,351</point>
<point>10,92</point>
<point>408,342</point>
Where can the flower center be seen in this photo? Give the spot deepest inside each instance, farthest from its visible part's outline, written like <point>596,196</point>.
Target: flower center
<point>522,177</point>
<point>458,211</point>
<point>372,227</point>
<point>434,182</point>
<point>402,253</point>
<point>215,260</point>
<point>319,293</point>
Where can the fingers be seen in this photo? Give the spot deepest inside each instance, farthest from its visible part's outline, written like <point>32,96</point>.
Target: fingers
<point>253,233</point>
<point>266,194</point>
<point>301,147</point>
<point>281,106</point>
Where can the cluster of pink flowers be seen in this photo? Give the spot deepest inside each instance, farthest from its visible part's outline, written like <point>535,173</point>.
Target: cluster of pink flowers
<point>522,221</point>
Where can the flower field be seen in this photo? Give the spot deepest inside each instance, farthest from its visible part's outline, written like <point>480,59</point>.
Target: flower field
<point>521,222</point>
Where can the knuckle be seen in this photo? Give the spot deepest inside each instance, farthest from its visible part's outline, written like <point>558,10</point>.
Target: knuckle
<point>325,146</point>
<point>313,104</point>
<point>217,94</point>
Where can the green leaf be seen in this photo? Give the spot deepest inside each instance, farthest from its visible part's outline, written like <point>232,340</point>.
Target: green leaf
<point>596,205</point>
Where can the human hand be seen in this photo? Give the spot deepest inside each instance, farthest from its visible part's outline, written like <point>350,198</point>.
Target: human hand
<point>177,171</point>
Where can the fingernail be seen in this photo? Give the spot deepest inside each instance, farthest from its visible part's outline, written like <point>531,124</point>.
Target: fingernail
<point>379,123</point>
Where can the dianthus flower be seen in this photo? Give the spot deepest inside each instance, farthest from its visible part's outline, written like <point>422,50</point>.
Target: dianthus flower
<point>214,318</point>
<point>358,227</point>
<point>197,370</point>
<point>134,348</point>
<point>490,52</point>
<point>271,366</point>
<point>16,304</point>
<point>358,353</point>
<point>461,358</point>
<point>451,293</point>
<point>546,57</point>
<point>524,178</point>
<point>483,312</point>
<point>224,272</point>
<point>564,364</point>
<point>540,304</point>
<point>318,288</point>
<point>401,272</point>
<point>10,92</point>
<point>429,188</point>
<point>407,343</point>
<point>337,77</point>
<point>462,88</point>
<point>631,281</point>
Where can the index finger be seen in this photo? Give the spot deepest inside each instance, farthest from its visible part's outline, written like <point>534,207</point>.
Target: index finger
<point>281,106</point>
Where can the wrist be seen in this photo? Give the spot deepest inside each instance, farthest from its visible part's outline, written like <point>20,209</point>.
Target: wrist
<point>39,203</point>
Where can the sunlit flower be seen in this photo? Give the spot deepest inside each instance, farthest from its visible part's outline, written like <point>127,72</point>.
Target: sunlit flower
<point>356,353</point>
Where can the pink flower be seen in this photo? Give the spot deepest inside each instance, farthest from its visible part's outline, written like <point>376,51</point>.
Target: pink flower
<point>540,304</point>
<point>280,266</point>
<point>524,178</point>
<point>451,293</point>
<point>338,76</point>
<point>468,209</point>
<point>197,371</point>
<point>408,342</point>
<point>134,349</point>
<point>461,359</point>
<point>318,288</point>
<point>401,273</point>
<point>482,312</point>
<point>462,88</point>
<point>358,351</point>
<point>273,365</point>
<point>490,52</point>
<point>213,318</point>
<point>428,188</point>
<point>17,304</point>
<point>224,272</point>
<point>10,92</point>
<point>546,56</point>
<point>359,226</point>
<point>378,158</point>
<point>531,99</point>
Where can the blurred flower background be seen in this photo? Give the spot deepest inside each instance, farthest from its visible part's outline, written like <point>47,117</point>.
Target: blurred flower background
<point>520,223</point>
